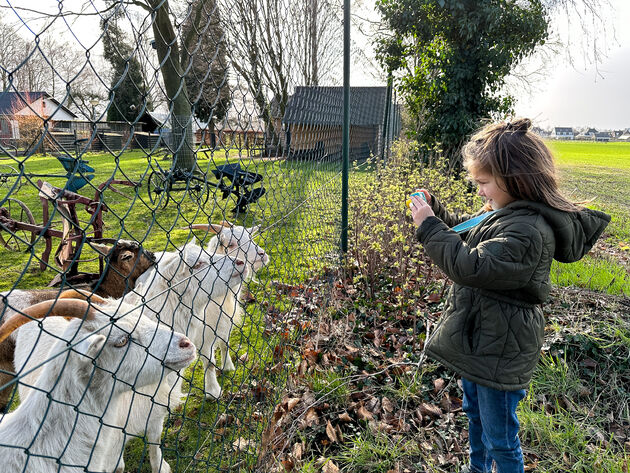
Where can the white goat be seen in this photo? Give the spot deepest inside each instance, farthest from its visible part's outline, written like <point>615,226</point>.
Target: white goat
<point>236,241</point>
<point>177,293</point>
<point>63,423</point>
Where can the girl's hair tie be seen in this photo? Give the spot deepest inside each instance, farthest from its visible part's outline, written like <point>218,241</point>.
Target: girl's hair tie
<point>509,126</point>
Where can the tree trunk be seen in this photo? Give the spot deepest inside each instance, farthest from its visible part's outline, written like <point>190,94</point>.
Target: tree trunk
<point>176,93</point>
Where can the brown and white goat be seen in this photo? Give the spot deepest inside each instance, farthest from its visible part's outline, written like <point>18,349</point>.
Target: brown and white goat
<point>126,262</point>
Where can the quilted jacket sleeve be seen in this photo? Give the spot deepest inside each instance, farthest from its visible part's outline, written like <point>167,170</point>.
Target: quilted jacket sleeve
<point>505,261</point>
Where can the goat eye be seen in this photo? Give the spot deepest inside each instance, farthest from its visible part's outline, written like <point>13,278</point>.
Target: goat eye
<point>122,341</point>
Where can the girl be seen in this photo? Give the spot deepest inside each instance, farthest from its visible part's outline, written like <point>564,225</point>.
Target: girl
<point>492,328</point>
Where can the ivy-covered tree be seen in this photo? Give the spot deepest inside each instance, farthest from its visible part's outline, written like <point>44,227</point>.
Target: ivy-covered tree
<point>207,74</point>
<point>451,57</point>
<point>128,89</point>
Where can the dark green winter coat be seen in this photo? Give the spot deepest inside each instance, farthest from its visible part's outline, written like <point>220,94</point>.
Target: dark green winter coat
<point>492,326</point>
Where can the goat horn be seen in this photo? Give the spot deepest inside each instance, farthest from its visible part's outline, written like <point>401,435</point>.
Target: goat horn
<point>83,295</point>
<point>101,248</point>
<point>74,308</point>
<point>209,227</point>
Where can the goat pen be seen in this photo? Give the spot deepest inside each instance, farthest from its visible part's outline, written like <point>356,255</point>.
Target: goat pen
<point>229,118</point>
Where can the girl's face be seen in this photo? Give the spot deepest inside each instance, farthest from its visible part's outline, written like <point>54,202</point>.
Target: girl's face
<point>491,190</point>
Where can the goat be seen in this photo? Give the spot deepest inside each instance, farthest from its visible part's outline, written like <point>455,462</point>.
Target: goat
<point>205,296</point>
<point>176,293</point>
<point>127,260</point>
<point>64,422</point>
<point>236,241</point>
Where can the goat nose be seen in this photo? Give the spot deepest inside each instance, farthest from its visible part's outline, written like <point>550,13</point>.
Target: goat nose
<point>239,262</point>
<point>185,343</point>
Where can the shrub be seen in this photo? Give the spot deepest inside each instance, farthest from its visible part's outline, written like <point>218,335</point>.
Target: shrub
<point>382,243</point>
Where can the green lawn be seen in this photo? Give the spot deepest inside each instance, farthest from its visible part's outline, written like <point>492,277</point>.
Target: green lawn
<point>598,173</point>
<point>299,215</point>
<point>586,153</point>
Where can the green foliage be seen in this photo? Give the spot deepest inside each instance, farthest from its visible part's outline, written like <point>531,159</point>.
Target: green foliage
<point>206,79</point>
<point>128,88</point>
<point>451,58</point>
<point>382,244</point>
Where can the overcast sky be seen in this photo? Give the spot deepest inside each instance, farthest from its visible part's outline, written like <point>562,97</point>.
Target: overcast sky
<point>582,94</point>
<point>578,94</point>
<point>587,95</point>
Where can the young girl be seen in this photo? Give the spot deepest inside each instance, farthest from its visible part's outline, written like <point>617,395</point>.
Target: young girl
<point>493,326</point>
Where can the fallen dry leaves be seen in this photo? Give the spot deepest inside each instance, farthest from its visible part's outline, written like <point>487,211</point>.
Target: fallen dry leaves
<point>369,352</point>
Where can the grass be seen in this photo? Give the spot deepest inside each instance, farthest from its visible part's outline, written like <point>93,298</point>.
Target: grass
<point>575,417</point>
<point>599,173</point>
<point>375,452</point>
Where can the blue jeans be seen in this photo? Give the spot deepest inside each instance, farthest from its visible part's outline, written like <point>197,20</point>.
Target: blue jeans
<point>493,428</point>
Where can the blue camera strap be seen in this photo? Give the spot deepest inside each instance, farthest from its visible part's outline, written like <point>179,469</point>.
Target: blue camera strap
<point>471,223</point>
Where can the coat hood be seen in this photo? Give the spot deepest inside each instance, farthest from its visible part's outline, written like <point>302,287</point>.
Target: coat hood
<point>575,232</point>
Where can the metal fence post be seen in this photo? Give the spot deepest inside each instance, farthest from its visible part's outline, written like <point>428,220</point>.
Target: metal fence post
<point>346,127</point>
<point>387,118</point>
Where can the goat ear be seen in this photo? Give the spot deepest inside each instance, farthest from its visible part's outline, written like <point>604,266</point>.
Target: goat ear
<point>91,346</point>
<point>226,223</point>
<point>193,256</point>
<point>101,248</point>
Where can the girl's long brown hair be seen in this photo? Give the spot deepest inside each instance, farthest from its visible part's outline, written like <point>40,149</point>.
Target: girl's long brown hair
<point>520,159</point>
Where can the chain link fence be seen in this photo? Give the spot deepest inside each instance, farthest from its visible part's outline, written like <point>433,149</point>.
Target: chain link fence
<point>170,172</point>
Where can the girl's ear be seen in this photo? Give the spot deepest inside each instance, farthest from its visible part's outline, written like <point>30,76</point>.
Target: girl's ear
<point>91,346</point>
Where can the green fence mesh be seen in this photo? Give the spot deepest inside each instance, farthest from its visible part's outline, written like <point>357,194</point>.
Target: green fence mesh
<point>126,129</point>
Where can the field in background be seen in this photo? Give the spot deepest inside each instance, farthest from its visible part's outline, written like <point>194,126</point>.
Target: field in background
<point>600,174</point>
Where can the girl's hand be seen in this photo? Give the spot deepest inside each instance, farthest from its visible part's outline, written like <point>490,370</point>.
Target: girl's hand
<point>427,195</point>
<point>420,210</point>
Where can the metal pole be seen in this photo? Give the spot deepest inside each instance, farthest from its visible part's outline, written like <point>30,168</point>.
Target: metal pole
<point>386,119</point>
<point>346,127</point>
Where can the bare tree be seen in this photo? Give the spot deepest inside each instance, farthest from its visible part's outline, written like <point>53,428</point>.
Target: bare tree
<point>163,23</point>
<point>275,45</point>
<point>12,48</point>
